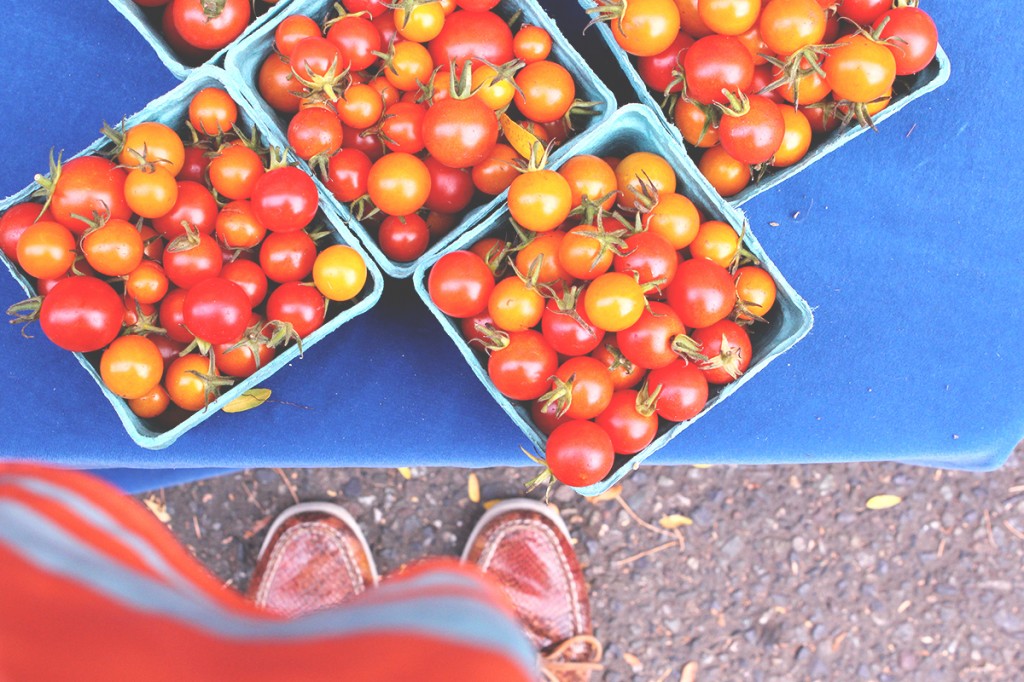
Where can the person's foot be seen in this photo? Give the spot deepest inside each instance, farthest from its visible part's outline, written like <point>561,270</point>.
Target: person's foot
<point>314,557</point>
<point>525,546</point>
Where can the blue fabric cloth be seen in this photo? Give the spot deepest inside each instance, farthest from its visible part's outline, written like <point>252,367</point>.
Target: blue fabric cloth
<point>905,242</point>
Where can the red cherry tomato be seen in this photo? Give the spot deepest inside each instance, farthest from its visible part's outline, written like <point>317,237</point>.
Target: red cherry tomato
<point>81,314</point>
<point>460,284</point>
<point>630,429</point>
<point>285,199</point>
<point>579,453</point>
<point>522,369</point>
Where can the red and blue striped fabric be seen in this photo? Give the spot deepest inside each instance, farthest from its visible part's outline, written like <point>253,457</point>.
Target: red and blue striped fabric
<point>93,587</point>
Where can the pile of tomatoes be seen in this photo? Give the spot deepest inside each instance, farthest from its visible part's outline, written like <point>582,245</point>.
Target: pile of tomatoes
<point>408,110</point>
<point>749,83</point>
<point>196,29</point>
<point>611,310</point>
<point>179,264</point>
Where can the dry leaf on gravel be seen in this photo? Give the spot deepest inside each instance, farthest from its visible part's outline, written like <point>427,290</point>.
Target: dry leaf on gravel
<point>879,502</point>
<point>674,521</point>
<point>474,488</point>
<point>158,508</point>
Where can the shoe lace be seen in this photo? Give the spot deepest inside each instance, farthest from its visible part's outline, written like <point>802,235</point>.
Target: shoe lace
<point>555,662</point>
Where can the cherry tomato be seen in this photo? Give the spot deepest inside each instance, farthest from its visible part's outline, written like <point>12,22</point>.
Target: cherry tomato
<point>15,221</point>
<point>474,35</point>
<point>293,29</point>
<point>495,174</point>
<point>339,272</point>
<point>347,174</point>
<point>579,453</point>
<point>546,91</point>
<point>131,366</point>
<point>522,369</point>
<point>422,23</point>
<point>727,175</point>
<point>911,37</point>
<point>570,332</point>
<point>860,69</point>
<point>648,343</point>
<point>514,305</point>
<point>193,261</point>
<point>460,284</point>
<point>249,276</point>
<point>46,250</point>
<point>360,106</point>
<point>114,249</point>
<point>237,226</point>
<point>715,63</point>
<point>88,185</point>
<point>624,373</point>
<point>689,18</point>
<point>314,132</point>
<point>541,253</point>
<point>641,169</point>
<point>729,17</point>
<point>212,111</point>
<point>545,416</point>
<point>539,200</point>
<point>284,199</point>
<point>277,84</point>
<point>152,404</point>
<point>460,133</point>
<point>151,142</point>
<point>797,139</point>
<point>614,301</point>
<point>754,137</point>
<point>590,176</point>
<point>630,429</point>
<point>582,386</point>
<point>210,27</point>
<point>583,254</point>
<point>694,124</point>
<point>195,164</point>
<point>702,292</point>
<point>402,127</point>
<point>150,192</point>
<point>287,256</point>
<point>755,290</point>
<point>185,387</point>
<point>727,346</point>
<point>81,314</point>
<point>299,305</point>
<point>243,360</point>
<point>790,25</point>
<point>675,218</point>
<point>357,38</point>
<point>172,317</point>
<point>399,184</point>
<point>531,43</point>
<point>646,27</point>
<point>659,71</point>
<point>373,8</point>
<point>451,189</point>
<point>403,238</point>
<point>217,310</point>
<point>410,65</point>
<point>717,242</point>
<point>863,12</point>
<point>681,388</point>
<point>195,205</point>
<point>650,257</point>
<point>808,89</point>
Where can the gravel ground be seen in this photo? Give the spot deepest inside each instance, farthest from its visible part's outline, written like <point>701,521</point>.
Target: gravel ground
<point>784,574</point>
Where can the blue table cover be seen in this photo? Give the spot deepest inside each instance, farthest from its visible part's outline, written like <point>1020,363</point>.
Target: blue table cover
<point>906,242</point>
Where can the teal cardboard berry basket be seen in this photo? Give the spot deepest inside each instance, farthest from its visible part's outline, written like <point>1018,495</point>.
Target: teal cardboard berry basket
<point>635,128</point>
<point>172,110</point>
<point>246,58</point>
<point>906,91</point>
